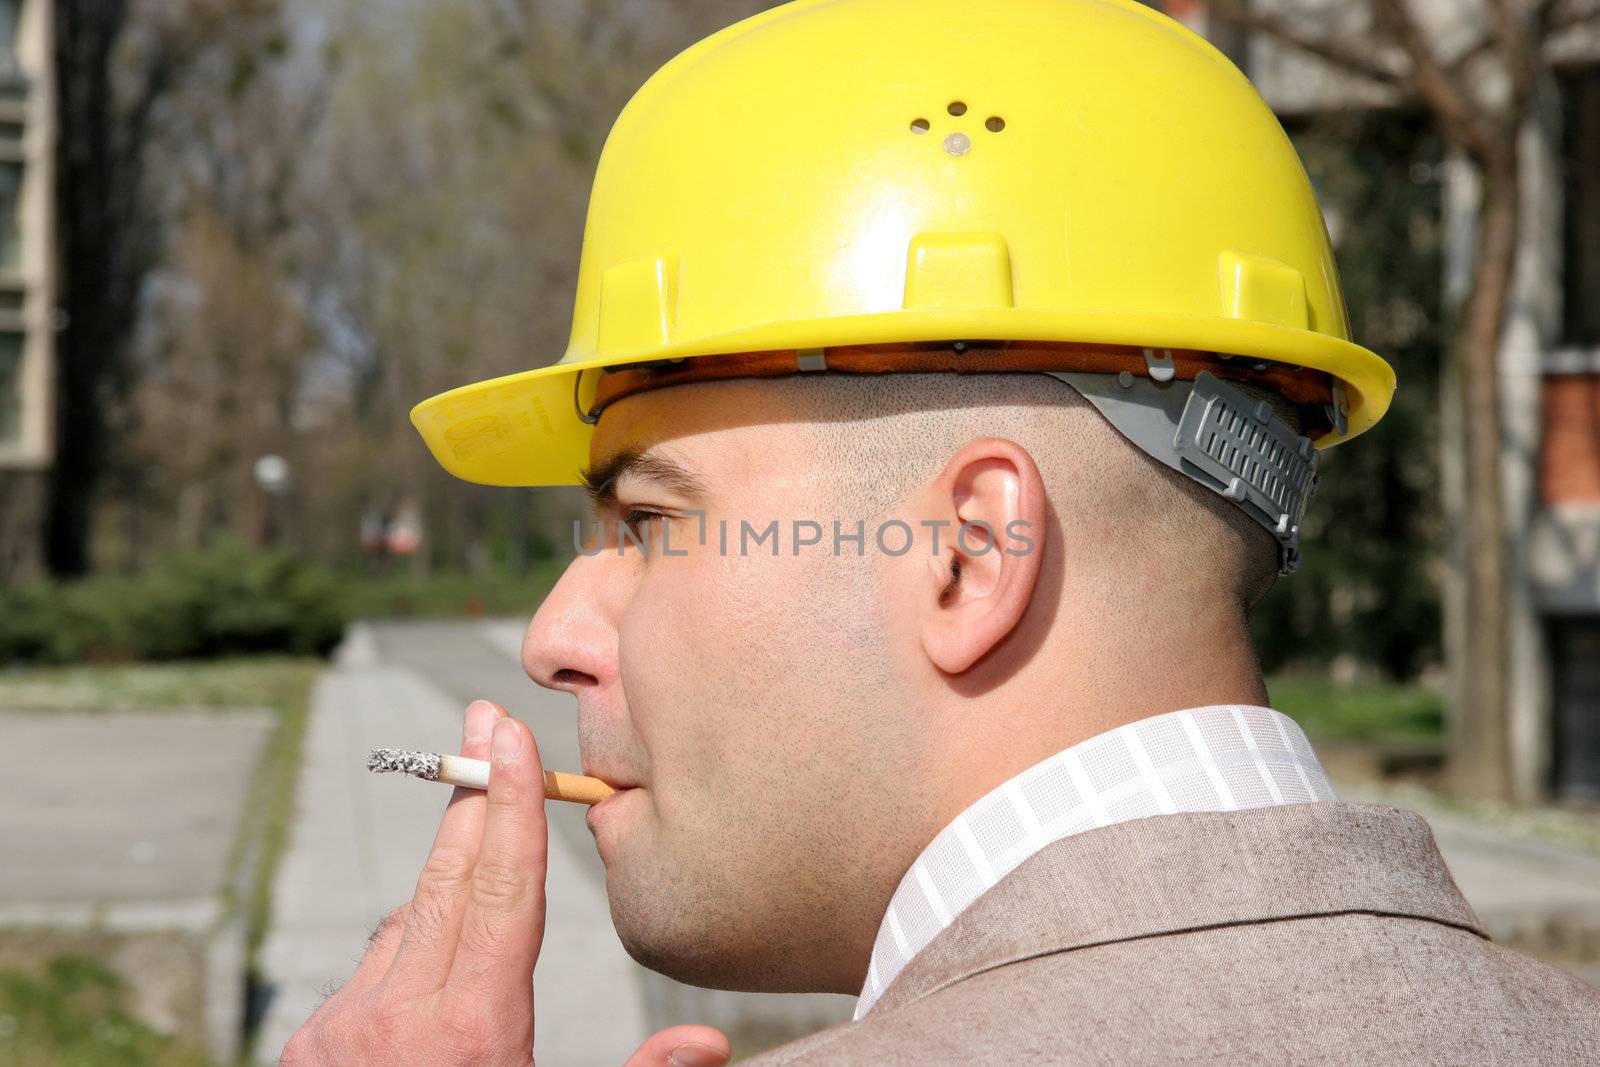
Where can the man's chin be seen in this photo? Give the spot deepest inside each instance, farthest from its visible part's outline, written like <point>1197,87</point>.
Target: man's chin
<point>700,958</point>
<point>709,971</point>
<point>691,930</point>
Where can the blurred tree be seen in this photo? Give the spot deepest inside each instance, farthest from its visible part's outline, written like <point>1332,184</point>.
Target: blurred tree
<point>287,221</point>
<point>1367,594</point>
<point>446,193</point>
<point>1482,91</point>
<point>106,245</point>
<point>224,342</point>
<point>129,75</point>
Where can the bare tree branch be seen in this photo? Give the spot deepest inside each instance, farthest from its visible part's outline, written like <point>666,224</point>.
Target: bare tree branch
<point>1510,34</point>
<point>1463,120</point>
<point>1522,38</point>
<point>1557,21</point>
<point>1579,14</point>
<point>1438,86</point>
<point>1342,54</point>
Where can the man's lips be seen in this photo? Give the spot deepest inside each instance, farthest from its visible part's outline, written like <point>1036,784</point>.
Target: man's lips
<point>616,781</point>
<point>622,784</point>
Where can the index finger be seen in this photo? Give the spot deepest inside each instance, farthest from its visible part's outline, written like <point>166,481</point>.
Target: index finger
<point>422,957</point>
<point>504,922</point>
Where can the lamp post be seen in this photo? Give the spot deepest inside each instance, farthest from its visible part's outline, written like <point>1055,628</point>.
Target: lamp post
<point>272,480</point>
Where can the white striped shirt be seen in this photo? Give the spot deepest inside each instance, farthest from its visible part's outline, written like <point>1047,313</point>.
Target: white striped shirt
<point>1222,758</point>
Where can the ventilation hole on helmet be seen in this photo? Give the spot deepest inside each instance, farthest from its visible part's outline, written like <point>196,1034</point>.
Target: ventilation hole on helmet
<point>995,124</point>
<point>957,108</point>
<point>920,125</point>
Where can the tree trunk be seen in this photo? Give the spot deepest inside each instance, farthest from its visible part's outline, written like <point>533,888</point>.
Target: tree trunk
<point>1481,726</point>
<point>84,202</point>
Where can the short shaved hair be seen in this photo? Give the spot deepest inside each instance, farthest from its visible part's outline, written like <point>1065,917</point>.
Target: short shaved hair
<point>886,434</point>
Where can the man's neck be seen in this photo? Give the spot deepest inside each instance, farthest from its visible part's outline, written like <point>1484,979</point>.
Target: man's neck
<point>1062,693</point>
<point>1098,682</point>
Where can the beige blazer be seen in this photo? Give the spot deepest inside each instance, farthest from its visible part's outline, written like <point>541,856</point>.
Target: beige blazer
<point>1305,934</point>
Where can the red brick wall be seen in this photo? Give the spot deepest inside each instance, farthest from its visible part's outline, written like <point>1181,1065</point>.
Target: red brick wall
<point>1569,454</point>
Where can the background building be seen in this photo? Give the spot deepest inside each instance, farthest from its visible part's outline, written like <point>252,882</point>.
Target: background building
<point>27,263</point>
<point>1562,698</point>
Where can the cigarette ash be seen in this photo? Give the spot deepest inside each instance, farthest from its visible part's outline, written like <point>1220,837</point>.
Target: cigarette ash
<point>421,764</point>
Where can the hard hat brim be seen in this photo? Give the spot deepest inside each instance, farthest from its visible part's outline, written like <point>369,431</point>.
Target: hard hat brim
<point>524,429</point>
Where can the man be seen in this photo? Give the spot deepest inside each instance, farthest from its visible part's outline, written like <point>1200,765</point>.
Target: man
<point>935,688</point>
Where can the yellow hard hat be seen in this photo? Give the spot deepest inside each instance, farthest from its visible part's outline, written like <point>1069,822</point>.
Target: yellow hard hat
<point>870,172</point>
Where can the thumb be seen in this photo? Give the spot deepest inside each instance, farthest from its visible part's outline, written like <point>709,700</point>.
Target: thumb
<point>683,1046</point>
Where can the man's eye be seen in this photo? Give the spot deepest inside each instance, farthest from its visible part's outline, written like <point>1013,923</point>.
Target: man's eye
<point>637,522</point>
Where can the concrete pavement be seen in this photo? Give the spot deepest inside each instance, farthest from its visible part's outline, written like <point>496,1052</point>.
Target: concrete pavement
<point>119,831</point>
<point>123,828</point>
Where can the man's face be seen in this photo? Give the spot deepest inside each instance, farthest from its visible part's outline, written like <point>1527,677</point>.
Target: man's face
<point>749,696</point>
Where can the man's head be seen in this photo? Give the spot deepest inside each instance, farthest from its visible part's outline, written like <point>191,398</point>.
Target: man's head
<point>801,723</point>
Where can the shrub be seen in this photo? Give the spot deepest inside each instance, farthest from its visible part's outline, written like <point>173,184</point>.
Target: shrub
<point>223,600</point>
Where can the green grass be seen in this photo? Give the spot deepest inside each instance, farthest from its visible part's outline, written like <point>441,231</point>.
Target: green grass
<point>277,682</point>
<point>1379,713</point>
<point>75,1014</point>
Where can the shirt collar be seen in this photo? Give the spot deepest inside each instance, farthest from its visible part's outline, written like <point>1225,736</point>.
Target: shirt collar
<point>1221,758</point>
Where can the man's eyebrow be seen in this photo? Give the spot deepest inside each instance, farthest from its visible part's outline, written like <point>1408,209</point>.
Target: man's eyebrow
<point>600,480</point>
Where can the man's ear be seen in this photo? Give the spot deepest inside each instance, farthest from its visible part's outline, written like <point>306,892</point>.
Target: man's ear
<point>983,575</point>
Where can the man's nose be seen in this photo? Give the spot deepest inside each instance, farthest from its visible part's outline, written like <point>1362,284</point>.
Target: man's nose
<point>571,644</point>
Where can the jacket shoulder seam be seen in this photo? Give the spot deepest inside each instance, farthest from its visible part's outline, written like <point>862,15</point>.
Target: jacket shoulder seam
<point>1063,949</point>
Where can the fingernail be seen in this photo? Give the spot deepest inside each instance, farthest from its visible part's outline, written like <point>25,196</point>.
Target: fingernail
<point>694,1054</point>
<point>480,721</point>
<point>507,745</point>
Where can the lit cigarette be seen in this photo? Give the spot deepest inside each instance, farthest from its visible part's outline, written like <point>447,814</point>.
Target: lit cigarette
<point>474,774</point>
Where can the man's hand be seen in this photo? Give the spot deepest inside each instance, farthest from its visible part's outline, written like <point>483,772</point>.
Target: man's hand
<point>447,981</point>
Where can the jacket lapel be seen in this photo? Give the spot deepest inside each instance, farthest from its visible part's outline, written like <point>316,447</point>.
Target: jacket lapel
<point>1172,873</point>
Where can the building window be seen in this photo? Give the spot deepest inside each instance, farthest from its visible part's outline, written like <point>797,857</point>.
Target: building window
<point>1575,767</point>
<point>10,388</point>
<point>1580,94</point>
<point>10,215</point>
<point>13,82</point>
